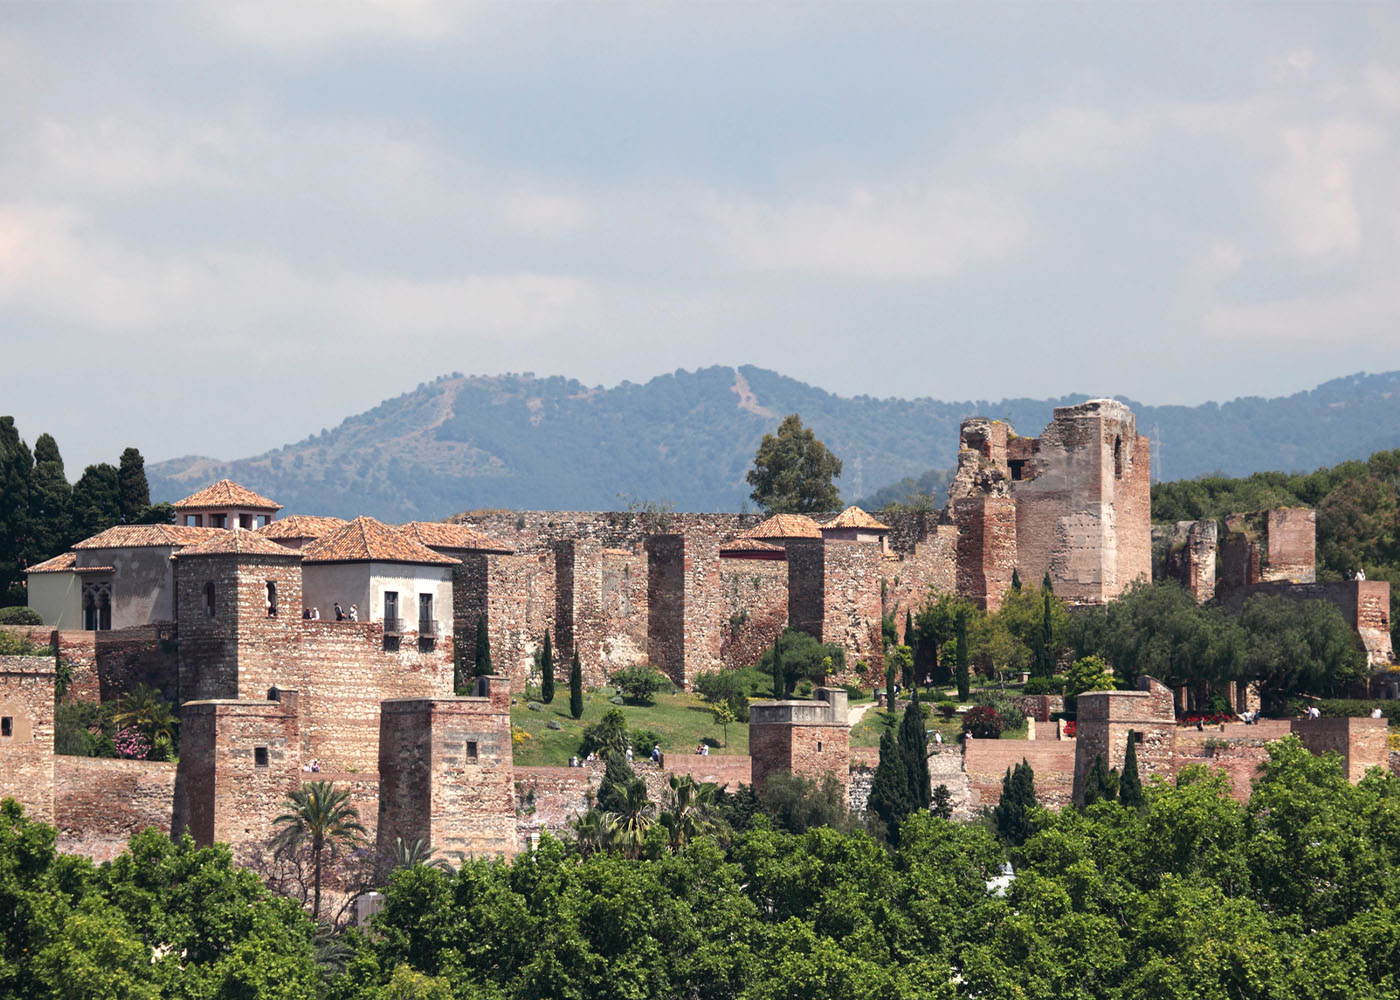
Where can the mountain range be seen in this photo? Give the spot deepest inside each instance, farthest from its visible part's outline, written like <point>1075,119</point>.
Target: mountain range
<point>686,440</point>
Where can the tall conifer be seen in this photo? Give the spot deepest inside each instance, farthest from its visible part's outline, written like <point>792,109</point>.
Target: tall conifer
<point>1130,784</point>
<point>483,649</point>
<point>913,745</point>
<point>964,673</point>
<point>1013,812</point>
<point>546,671</point>
<point>134,493</point>
<point>779,676</point>
<point>576,688</point>
<point>889,792</point>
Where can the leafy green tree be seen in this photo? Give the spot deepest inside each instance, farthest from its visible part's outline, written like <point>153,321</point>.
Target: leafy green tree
<point>575,688</point>
<point>732,687</point>
<point>937,625</point>
<point>627,824</point>
<point>797,804</point>
<point>964,677</point>
<point>133,492</point>
<point>792,472</point>
<point>606,737</point>
<point>546,670</point>
<point>1015,579</point>
<point>724,718</point>
<point>1295,648</point>
<point>913,746</point>
<point>1012,815</point>
<point>900,659</point>
<point>802,656</point>
<point>319,817</point>
<point>1088,674</point>
<point>482,664</point>
<point>1130,784</point>
<point>889,792</point>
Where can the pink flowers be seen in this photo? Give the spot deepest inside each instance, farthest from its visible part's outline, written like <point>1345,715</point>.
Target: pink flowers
<point>132,744</point>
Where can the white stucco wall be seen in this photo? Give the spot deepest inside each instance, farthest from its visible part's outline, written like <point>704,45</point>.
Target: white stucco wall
<point>366,583</point>
<point>58,598</point>
<point>143,583</point>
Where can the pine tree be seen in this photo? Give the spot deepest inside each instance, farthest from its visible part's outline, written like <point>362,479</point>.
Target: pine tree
<point>779,676</point>
<point>483,649</point>
<point>964,675</point>
<point>1130,784</point>
<point>133,492</point>
<point>576,688</point>
<point>96,500</point>
<point>1012,814</point>
<point>546,671</point>
<point>913,745</point>
<point>889,792</point>
<point>889,685</point>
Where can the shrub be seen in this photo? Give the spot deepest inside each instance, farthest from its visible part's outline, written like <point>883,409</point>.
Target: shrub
<point>84,729</point>
<point>606,736</point>
<point>20,615</point>
<point>1337,708</point>
<point>638,685</point>
<point>643,740</point>
<point>804,688</point>
<point>1012,716</point>
<point>21,645</point>
<point>854,692</point>
<point>730,686</point>
<point>1045,685</point>
<point>983,723</point>
<point>947,709</point>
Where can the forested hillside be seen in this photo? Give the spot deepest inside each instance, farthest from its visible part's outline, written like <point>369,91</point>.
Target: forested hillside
<point>687,438</point>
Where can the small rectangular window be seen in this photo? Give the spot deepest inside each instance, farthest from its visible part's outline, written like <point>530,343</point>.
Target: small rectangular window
<point>260,756</point>
<point>471,749</point>
<point>7,726</point>
<point>819,746</point>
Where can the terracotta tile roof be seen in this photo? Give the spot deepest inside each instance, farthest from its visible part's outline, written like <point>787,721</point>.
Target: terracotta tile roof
<point>785,526</point>
<point>227,493</point>
<point>132,536</point>
<point>302,526</point>
<point>437,535</point>
<point>241,542</point>
<point>367,540</point>
<point>742,546</point>
<point>854,517</point>
<point>57,564</point>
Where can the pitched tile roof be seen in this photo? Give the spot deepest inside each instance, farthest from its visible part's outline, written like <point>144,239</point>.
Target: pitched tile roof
<point>367,540</point>
<point>241,542</point>
<point>437,535</point>
<point>57,564</point>
<point>854,517</point>
<point>785,526</point>
<point>744,547</point>
<point>227,493</point>
<point>302,526</point>
<point>132,536</point>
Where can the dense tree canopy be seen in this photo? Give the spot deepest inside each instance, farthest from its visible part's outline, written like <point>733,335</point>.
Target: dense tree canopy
<point>792,472</point>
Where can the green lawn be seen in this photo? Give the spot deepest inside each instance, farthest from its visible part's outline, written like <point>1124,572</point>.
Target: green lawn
<point>871,727</point>
<point>681,720</point>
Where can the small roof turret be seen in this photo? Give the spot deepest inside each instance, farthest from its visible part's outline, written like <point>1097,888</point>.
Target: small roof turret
<point>225,494</point>
<point>784,527</point>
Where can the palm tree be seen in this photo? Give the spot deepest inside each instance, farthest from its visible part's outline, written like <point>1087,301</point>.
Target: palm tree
<point>321,812</point>
<point>627,828</point>
<point>144,708</point>
<point>418,853</point>
<point>692,812</point>
<point>590,832</point>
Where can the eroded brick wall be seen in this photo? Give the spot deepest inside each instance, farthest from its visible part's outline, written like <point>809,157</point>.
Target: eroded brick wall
<point>1105,718</point>
<point>1360,742</point>
<point>26,706</point>
<point>988,549</point>
<point>101,803</point>
<point>755,594</point>
<point>853,572</point>
<point>811,738</point>
<point>985,763</point>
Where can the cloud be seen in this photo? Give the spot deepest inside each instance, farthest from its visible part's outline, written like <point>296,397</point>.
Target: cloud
<point>894,233</point>
<point>291,29</point>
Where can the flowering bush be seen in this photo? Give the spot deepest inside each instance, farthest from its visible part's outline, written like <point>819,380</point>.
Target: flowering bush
<point>1069,727</point>
<point>132,743</point>
<point>1206,718</point>
<point>982,722</point>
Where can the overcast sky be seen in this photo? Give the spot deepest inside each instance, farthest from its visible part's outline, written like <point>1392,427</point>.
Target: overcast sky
<point>224,227</point>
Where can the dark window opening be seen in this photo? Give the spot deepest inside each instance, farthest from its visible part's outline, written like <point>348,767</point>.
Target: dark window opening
<point>1137,737</point>
<point>260,756</point>
<point>271,599</point>
<point>90,613</point>
<point>7,726</point>
<point>218,520</point>
<point>392,622</point>
<point>104,613</point>
<point>246,522</point>
<point>471,750</point>
<point>1018,468</point>
<point>391,643</point>
<point>426,644</point>
<point>1117,458</point>
<point>819,746</point>
<point>209,600</point>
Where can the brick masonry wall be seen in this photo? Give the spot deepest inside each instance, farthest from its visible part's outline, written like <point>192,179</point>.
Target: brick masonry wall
<point>985,763</point>
<point>1106,717</point>
<point>666,604</point>
<point>811,739</point>
<point>101,804</point>
<point>26,701</point>
<point>1246,750</point>
<point>988,547</point>
<point>852,609</point>
<point>1292,545</point>
<point>1360,742</point>
<point>755,608</point>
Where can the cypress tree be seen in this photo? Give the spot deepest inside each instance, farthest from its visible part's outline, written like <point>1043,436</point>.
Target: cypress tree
<point>483,649</point>
<point>889,685</point>
<point>964,676</point>
<point>133,492</point>
<point>913,745</point>
<point>779,678</point>
<point>576,688</point>
<point>617,775</point>
<point>50,503</point>
<point>889,792</point>
<point>547,671</point>
<point>16,476</point>
<point>1015,580</point>
<point>96,500</point>
<point>1097,784</point>
<point>1130,785</point>
<point>942,802</point>
<point>910,639</point>
<point>460,682</point>
<point>1013,813</point>
<point>1044,666</point>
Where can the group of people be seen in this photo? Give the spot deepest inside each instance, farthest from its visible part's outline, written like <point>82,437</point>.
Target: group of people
<point>314,767</point>
<point>314,614</point>
<point>702,750</point>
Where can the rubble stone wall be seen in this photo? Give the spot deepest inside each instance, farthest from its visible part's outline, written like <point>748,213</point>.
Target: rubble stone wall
<point>102,803</point>
<point>26,706</point>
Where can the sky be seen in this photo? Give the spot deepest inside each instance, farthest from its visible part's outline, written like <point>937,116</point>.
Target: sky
<point>226,226</point>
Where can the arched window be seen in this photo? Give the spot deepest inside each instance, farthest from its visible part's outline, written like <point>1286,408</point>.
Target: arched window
<point>271,599</point>
<point>90,612</point>
<point>209,600</point>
